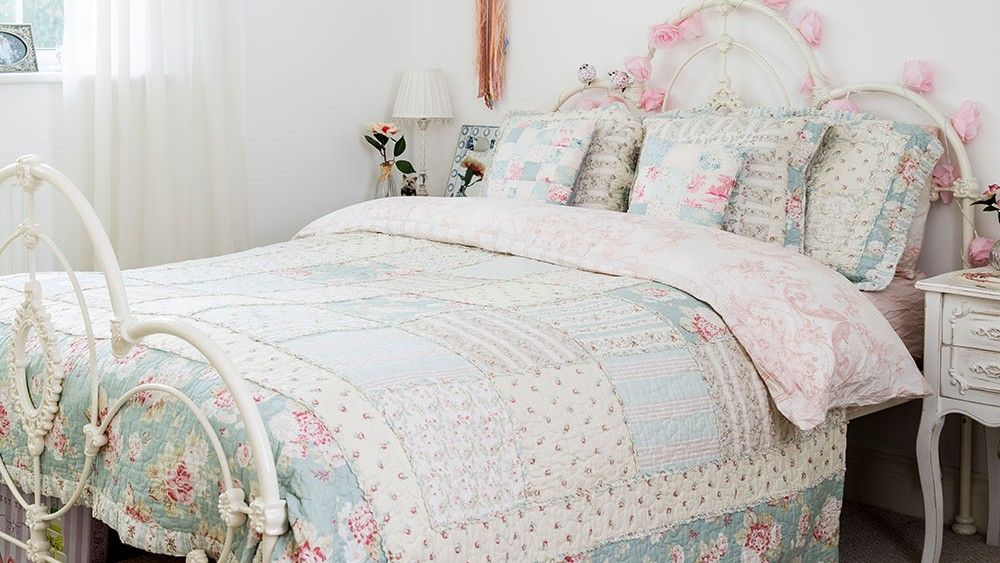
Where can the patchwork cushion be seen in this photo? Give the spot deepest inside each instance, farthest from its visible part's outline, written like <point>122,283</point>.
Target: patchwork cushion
<point>864,189</point>
<point>687,181</point>
<point>539,158</point>
<point>767,202</point>
<point>609,168</point>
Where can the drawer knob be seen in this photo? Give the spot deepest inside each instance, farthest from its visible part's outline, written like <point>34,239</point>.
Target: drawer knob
<point>993,333</point>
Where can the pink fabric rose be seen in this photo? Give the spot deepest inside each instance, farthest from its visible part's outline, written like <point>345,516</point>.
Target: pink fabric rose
<point>807,86</point>
<point>918,76</point>
<point>639,67</point>
<point>691,27</point>
<point>967,121</point>
<point>979,251</point>
<point>777,4</point>
<point>652,99</point>
<point>664,35</point>
<point>842,104</point>
<point>944,175</point>
<point>811,27</point>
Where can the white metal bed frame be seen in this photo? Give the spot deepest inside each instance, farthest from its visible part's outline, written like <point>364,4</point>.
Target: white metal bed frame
<point>266,514</point>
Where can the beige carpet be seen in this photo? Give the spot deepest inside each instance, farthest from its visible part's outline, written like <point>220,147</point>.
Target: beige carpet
<point>869,534</point>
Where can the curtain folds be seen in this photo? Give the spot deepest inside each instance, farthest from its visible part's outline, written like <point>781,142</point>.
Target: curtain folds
<point>154,125</point>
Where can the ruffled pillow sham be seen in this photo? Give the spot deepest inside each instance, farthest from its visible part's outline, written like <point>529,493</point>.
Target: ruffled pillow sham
<point>687,181</point>
<point>539,159</point>
<point>863,190</point>
<point>768,200</point>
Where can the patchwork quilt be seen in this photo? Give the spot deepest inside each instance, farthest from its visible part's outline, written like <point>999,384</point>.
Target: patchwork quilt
<point>432,397</point>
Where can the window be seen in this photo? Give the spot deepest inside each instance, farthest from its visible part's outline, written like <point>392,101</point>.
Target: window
<point>45,17</point>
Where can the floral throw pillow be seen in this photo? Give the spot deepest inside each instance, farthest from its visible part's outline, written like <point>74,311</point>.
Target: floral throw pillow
<point>768,201</point>
<point>864,190</point>
<point>539,159</point>
<point>687,181</point>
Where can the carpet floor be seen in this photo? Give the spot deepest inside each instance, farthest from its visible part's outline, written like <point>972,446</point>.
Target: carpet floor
<point>867,535</point>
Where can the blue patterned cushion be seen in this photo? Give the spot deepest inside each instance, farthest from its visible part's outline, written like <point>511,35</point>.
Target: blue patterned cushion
<point>539,159</point>
<point>863,190</point>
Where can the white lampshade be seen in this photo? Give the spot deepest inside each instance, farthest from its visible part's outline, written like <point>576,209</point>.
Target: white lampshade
<point>423,94</point>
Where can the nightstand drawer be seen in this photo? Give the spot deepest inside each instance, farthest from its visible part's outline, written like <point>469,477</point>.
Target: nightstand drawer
<point>971,375</point>
<point>972,323</point>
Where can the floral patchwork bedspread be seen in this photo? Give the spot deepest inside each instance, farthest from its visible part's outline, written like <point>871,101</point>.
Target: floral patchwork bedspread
<point>432,400</point>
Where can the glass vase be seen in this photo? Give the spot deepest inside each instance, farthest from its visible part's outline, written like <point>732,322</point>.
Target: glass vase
<point>995,255</point>
<point>385,183</point>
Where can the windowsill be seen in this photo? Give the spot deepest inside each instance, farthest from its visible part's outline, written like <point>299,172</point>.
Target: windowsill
<point>45,77</point>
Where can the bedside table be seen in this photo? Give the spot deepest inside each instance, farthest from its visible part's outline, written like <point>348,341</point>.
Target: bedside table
<point>962,365</point>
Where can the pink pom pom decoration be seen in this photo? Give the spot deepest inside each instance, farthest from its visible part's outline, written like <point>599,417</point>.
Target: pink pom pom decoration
<point>691,27</point>
<point>639,67</point>
<point>811,27</point>
<point>842,104</point>
<point>807,86</point>
<point>918,76</point>
<point>652,99</point>
<point>664,35</point>
<point>967,121</point>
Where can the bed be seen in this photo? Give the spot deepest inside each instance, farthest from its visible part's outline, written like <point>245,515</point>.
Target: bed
<point>449,379</point>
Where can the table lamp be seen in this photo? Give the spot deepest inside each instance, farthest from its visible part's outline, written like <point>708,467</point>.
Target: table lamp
<point>423,96</point>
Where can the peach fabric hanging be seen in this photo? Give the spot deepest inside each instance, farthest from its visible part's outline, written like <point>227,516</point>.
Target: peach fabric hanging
<point>491,46</point>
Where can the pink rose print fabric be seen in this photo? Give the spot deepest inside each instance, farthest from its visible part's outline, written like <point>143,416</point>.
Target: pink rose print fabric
<point>687,181</point>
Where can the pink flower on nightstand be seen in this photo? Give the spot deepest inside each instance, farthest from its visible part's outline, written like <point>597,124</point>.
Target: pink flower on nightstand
<point>979,251</point>
<point>811,27</point>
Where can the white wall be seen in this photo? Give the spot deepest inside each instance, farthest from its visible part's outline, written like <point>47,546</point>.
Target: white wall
<point>317,71</point>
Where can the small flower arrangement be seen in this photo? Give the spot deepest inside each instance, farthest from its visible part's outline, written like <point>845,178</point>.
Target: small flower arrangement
<point>989,201</point>
<point>474,173</point>
<point>379,136</point>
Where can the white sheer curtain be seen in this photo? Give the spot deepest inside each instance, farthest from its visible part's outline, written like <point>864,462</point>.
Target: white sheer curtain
<point>155,124</point>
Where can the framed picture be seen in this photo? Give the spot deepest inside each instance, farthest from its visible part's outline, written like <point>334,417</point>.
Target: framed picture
<point>478,142</point>
<point>17,49</point>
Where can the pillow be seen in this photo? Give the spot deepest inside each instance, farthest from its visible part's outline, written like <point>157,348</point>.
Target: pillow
<point>609,168</point>
<point>768,199</point>
<point>539,159</point>
<point>863,190</point>
<point>687,181</point>
<point>907,266</point>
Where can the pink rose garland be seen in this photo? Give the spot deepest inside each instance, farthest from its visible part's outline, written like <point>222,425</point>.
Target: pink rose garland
<point>967,121</point>
<point>639,67</point>
<point>811,27</point>
<point>663,35</point>
<point>918,76</point>
<point>807,86</point>
<point>652,99</point>
<point>842,104</point>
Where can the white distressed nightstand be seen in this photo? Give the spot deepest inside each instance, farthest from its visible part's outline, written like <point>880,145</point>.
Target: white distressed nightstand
<point>962,365</point>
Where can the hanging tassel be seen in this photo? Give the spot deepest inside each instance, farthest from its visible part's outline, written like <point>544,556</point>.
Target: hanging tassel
<point>492,46</point>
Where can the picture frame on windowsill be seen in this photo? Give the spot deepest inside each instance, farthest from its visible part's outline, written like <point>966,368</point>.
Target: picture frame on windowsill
<point>17,48</point>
